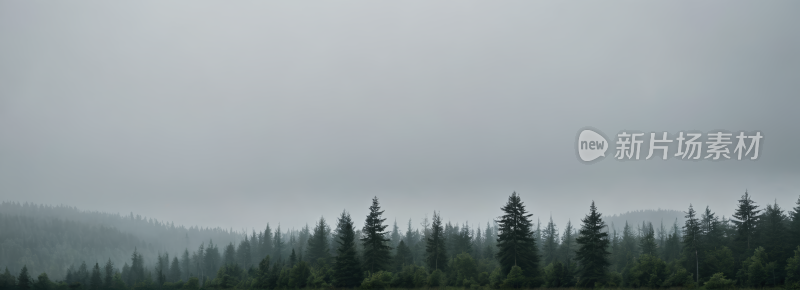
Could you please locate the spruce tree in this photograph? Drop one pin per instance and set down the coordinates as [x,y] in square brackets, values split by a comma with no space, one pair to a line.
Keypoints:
[592,254]
[267,244]
[24,281]
[746,217]
[292,259]
[567,247]
[794,224]
[174,270]
[9,282]
[771,231]
[550,238]
[96,282]
[516,244]
[347,269]
[243,253]
[109,274]
[396,236]
[185,265]
[403,256]
[377,252]
[278,245]
[435,247]
[318,246]
[648,241]
[230,255]
[691,241]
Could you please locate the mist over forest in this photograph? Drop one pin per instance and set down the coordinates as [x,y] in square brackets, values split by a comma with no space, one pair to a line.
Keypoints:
[79,249]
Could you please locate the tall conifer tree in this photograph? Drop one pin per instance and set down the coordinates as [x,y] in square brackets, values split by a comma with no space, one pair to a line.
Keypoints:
[377,252]
[347,269]
[592,252]
[515,241]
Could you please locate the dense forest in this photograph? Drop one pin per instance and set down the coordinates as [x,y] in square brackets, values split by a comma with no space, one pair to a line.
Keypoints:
[756,247]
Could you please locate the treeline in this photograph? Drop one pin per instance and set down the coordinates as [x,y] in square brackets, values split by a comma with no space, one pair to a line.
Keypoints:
[51,238]
[757,247]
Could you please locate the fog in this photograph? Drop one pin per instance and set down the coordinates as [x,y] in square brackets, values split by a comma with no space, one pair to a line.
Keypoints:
[239,114]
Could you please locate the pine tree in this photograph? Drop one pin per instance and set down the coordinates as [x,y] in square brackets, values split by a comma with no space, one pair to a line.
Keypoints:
[592,252]
[292,259]
[567,247]
[377,253]
[550,238]
[175,270]
[243,253]
[794,224]
[396,236]
[230,255]
[746,218]
[516,244]
[278,244]
[318,243]
[267,244]
[185,266]
[672,246]
[435,247]
[628,245]
[347,269]
[96,282]
[9,282]
[691,241]
[137,268]
[771,231]
[403,256]
[648,241]
[109,274]
[24,281]
[213,259]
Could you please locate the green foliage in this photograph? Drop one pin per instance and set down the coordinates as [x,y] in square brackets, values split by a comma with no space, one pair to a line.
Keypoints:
[718,281]
[298,277]
[496,278]
[410,276]
[43,283]
[378,280]
[648,271]
[679,278]
[793,269]
[192,284]
[321,276]
[558,275]
[718,260]
[593,249]
[757,271]
[436,278]
[515,278]
[464,267]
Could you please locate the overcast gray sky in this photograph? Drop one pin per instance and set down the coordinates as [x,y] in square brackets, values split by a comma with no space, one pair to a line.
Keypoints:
[236,114]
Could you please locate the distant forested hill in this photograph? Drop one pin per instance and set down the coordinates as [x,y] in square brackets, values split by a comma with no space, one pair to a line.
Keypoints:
[635,218]
[51,238]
